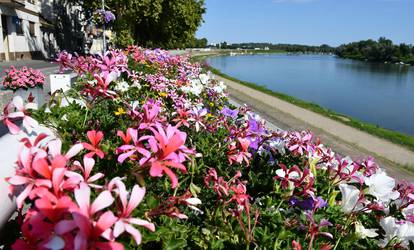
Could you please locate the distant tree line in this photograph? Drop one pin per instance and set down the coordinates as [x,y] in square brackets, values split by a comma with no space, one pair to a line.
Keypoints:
[382,50]
[198,43]
[295,48]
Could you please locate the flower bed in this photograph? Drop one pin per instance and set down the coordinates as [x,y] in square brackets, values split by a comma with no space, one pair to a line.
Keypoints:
[151,154]
[24,78]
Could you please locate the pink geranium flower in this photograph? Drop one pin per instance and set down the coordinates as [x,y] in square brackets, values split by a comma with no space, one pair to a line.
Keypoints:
[64,60]
[239,152]
[89,231]
[130,150]
[166,146]
[86,169]
[36,169]
[125,220]
[95,137]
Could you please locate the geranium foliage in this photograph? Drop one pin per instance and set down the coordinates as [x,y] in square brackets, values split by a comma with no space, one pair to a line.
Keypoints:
[148,153]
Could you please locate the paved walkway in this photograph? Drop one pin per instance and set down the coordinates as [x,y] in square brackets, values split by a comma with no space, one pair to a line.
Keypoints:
[36,64]
[343,139]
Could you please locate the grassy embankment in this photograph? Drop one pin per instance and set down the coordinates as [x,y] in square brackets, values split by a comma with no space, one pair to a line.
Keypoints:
[393,136]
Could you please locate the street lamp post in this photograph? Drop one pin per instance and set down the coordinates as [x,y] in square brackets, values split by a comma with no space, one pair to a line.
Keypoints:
[104,37]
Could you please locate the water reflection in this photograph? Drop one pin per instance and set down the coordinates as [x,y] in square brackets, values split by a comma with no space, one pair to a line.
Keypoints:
[373,67]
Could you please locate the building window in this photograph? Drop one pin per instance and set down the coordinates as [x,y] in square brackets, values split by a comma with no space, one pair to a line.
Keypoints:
[19,25]
[32,29]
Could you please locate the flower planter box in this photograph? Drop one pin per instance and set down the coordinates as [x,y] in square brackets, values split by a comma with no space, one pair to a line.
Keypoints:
[38,93]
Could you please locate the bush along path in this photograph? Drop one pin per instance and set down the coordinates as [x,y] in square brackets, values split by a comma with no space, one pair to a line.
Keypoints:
[149,154]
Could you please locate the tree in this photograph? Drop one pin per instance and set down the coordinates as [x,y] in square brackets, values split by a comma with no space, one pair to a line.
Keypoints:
[154,23]
[198,43]
[382,50]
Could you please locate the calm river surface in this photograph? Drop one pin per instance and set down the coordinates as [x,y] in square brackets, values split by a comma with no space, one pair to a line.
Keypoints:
[380,94]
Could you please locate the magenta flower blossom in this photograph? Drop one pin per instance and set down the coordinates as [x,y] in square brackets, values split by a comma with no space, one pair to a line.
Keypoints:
[238,151]
[86,169]
[89,231]
[35,170]
[125,220]
[64,60]
[150,114]
[166,146]
[95,137]
[128,150]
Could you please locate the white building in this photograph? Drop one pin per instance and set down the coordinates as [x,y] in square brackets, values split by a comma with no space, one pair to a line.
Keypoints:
[34,29]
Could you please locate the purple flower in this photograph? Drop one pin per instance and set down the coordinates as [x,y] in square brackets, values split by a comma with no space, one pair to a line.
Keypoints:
[256,130]
[109,16]
[308,203]
[320,203]
[305,204]
[229,112]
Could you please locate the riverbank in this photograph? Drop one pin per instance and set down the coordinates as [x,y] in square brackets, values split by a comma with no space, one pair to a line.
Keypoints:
[399,138]
[343,139]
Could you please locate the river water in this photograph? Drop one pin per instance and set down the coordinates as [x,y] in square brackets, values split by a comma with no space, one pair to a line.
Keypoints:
[377,93]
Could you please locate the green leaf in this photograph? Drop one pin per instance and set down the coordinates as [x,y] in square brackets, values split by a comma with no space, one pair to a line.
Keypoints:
[175,244]
[194,189]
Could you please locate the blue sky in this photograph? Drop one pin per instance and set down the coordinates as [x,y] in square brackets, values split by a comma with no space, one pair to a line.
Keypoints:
[312,22]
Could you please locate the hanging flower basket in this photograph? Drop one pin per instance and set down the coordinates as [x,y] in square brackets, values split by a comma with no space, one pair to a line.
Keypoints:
[103,17]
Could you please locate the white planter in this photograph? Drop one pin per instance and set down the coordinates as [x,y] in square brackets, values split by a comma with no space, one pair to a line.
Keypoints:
[10,145]
[60,82]
[38,93]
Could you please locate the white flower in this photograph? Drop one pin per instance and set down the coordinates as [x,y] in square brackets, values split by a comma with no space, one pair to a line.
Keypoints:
[64,118]
[204,78]
[279,145]
[93,82]
[381,186]
[390,228]
[220,87]
[122,86]
[195,88]
[282,174]
[364,232]
[350,197]
[403,232]
[192,203]
[136,84]
[408,211]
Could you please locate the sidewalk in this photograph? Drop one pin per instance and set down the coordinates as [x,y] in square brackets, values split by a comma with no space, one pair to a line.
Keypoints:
[36,64]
